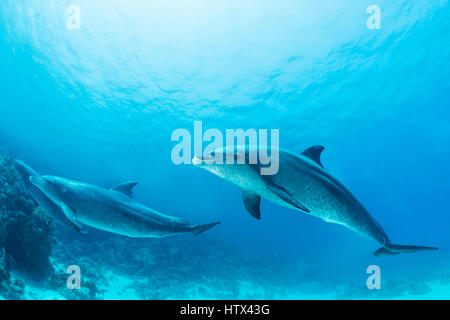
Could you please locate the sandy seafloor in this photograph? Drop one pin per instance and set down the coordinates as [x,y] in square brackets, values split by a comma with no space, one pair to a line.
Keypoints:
[138,274]
[120,287]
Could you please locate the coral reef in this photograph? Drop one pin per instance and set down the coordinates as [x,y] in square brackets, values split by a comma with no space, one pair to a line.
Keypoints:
[10,288]
[181,267]
[25,233]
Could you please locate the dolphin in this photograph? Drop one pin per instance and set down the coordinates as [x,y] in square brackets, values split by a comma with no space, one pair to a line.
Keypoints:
[25,172]
[301,183]
[112,210]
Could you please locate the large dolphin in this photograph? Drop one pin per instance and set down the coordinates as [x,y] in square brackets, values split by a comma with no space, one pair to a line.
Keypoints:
[301,183]
[112,210]
[25,172]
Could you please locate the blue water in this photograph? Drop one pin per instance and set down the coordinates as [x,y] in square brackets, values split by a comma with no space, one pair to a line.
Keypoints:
[99,104]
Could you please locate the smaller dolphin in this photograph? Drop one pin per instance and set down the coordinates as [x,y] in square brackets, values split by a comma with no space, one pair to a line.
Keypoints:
[112,210]
[25,172]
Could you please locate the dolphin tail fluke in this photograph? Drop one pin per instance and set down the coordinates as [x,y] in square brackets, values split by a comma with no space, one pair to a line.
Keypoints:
[392,249]
[196,230]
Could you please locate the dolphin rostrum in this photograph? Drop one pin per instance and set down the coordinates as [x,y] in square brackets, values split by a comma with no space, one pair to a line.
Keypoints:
[112,210]
[25,172]
[301,183]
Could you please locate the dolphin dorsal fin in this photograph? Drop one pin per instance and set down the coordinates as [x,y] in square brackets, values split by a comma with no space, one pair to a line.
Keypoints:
[314,153]
[126,188]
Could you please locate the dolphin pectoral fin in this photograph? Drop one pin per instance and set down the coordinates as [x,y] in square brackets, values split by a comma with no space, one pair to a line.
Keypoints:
[72,226]
[314,153]
[82,231]
[71,216]
[78,229]
[284,195]
[252,203]
[126,188]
